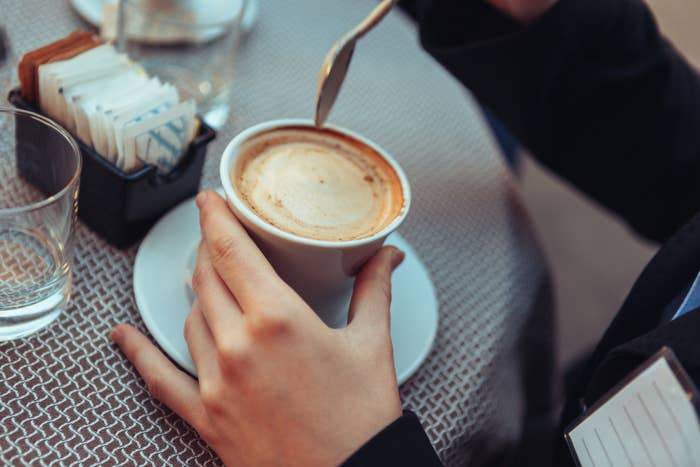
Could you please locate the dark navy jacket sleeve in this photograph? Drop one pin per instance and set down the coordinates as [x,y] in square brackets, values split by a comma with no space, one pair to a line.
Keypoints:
[593,90]
[402,443]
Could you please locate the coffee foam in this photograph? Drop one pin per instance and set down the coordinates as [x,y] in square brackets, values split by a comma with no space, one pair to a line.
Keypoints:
[317,184]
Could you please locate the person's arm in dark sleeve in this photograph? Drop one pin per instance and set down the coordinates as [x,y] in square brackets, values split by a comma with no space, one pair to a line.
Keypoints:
[593,90]
[402,443]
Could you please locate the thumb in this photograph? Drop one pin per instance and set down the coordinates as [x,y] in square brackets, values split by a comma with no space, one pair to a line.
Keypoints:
[369,308]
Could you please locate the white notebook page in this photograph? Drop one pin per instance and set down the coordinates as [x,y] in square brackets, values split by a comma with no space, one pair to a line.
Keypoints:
[649,422]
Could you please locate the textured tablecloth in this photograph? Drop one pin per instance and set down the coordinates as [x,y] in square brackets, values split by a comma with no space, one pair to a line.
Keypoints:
[68,396]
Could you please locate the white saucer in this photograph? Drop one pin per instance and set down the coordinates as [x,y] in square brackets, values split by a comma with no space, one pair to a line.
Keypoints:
[91,11]
[163,296]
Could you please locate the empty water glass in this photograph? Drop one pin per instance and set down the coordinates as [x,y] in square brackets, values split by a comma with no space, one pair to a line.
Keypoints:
[40,172]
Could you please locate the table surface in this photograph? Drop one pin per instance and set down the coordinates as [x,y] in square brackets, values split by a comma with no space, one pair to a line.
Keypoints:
[67,395]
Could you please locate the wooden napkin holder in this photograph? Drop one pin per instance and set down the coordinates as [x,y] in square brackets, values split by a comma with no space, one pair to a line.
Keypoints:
[120,206]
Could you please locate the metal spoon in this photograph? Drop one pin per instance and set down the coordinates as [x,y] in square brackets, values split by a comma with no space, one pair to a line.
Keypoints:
[335,65]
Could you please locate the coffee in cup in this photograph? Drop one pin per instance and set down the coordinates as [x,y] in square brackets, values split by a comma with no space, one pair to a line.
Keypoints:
[317,183]
[318,203]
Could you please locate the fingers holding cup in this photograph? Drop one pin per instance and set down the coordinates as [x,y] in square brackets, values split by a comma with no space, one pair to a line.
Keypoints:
[234,256]
[216,302]
[371,299]
[201,343]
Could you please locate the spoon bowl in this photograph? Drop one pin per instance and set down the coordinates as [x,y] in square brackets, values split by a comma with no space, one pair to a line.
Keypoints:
[335,65]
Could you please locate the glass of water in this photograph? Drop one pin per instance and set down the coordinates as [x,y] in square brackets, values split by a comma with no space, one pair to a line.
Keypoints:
[39,175]
[191,44]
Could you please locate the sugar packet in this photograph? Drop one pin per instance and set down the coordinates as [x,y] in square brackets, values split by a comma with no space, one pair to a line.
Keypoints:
[110,103]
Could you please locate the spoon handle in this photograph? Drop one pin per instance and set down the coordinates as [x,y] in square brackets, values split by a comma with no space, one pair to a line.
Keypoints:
[335,65]
[374,17]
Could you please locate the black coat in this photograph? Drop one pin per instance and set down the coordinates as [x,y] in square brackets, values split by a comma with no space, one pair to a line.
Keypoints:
[603,100]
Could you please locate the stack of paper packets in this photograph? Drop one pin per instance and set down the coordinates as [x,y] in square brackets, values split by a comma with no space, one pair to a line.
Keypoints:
[111,104]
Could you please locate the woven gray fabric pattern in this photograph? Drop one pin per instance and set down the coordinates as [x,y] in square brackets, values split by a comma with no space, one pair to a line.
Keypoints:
[68,396]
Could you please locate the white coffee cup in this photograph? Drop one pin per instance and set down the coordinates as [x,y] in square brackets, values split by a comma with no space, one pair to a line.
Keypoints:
[320,271]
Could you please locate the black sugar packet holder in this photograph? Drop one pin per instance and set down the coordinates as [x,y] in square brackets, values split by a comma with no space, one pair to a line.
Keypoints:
[121,206]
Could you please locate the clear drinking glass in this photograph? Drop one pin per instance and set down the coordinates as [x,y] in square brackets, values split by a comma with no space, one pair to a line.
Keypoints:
[191,44]
[36,220]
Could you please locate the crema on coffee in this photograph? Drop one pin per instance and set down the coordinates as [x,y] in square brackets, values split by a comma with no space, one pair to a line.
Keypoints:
[317,184]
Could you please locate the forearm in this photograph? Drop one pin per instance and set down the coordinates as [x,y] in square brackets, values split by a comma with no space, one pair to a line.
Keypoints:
[593,90]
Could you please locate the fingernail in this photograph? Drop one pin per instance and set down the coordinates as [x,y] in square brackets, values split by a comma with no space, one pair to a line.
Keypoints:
[397,257]
[201,199]
[116,335]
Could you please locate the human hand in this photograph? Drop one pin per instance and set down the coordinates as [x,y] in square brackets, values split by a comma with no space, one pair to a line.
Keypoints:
[276,385]
[524,11]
